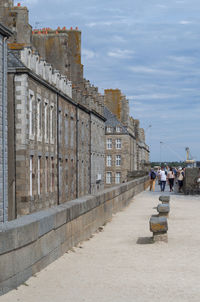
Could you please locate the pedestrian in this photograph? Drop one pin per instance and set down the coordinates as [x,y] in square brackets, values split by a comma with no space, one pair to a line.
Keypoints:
[152,179]
[180,177]
[163,179]
[170,177]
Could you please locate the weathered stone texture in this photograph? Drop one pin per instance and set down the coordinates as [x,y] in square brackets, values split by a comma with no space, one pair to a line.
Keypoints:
[97,154]
[4,34]
[30,243]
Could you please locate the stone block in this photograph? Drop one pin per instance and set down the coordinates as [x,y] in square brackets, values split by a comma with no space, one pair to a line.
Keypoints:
[18,233]
[164,198]
[163,209]
[158,224]
[46,219]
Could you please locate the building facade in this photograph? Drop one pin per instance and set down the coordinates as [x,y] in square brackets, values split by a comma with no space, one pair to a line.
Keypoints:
[120,151]
[5,33]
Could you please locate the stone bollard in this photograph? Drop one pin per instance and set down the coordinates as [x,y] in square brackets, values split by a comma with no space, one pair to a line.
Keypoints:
[163,209]
[159,228]
[164,199]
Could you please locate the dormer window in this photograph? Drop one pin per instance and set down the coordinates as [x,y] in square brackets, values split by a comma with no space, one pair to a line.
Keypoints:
[118,129]
[109,129]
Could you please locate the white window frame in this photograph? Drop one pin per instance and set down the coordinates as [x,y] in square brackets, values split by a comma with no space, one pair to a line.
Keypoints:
[109,143]
[39,118]
[39,174]
[51,123]
[108,178]
[118,177]
[31,176]
[31,114]
[118,129]
[118,159]
[46,174]
[46,137]
[109,160]
[109,129]
[118,143]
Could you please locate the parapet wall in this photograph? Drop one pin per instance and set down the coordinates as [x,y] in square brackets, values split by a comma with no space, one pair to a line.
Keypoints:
[45,71]
[30,243]
[191,183]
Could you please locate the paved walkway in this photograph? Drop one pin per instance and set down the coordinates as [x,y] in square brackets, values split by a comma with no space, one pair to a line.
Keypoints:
[119,265]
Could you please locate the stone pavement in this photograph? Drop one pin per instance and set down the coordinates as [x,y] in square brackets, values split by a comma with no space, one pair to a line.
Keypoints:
[120,264]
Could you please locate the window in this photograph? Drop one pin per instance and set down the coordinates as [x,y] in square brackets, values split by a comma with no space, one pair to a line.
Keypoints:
[31,119]
[118,129]
[109,143]
[118,143]
[108,177]
[60,177]
[46,175]
[46,122]
[39,175]
[66,130]
[72,132]
[118,178]
[109,129]
[51,124]
[109,161]
[60,126]
[31,176]
[52,174]
[39,119]
[118,160]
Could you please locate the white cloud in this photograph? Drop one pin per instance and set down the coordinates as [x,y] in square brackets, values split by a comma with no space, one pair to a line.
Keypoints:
[117,38]
[185,22]
[121,53]
[88,54]
[154,96]
[182,59]
[161,6]
[147,70]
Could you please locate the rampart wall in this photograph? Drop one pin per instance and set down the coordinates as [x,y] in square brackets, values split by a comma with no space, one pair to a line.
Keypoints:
[30,243]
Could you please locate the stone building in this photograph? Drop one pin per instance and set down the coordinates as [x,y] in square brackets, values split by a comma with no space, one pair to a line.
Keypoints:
[53,140]
[120,153]
[5,33]
[117,103]
[62,48]
[56,119]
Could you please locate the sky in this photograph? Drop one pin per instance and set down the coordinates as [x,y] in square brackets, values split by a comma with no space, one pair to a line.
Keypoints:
[150,49]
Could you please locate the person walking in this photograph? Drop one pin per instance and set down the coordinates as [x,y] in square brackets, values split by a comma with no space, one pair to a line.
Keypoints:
[170,177]
[163,179]
[180,177]
[152,179]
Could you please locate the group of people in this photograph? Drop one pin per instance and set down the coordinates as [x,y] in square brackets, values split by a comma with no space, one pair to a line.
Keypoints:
[167,174]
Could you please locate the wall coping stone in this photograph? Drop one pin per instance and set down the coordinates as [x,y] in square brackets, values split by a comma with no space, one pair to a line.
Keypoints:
[26,229]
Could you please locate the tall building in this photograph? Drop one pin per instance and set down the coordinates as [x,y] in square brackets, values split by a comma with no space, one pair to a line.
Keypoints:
[5,33]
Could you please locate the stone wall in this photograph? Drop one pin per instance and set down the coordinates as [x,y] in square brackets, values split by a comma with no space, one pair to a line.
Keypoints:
[30,243]
[97,154]
[191,186]
[3,127]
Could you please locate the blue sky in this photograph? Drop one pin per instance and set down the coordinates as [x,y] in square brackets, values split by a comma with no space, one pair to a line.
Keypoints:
[150,49]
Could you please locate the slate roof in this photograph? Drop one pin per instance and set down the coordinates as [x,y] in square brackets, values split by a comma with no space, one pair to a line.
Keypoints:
[112,121]
[5,31]
[14,61]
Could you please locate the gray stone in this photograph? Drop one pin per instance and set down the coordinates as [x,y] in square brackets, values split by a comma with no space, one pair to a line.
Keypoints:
[164,198]
[158,224]
[163,208]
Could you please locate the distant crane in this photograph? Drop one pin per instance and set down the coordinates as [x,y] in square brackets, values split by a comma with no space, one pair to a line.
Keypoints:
[189,160]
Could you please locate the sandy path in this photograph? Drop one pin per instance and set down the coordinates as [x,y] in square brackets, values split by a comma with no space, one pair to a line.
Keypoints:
[113,266]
